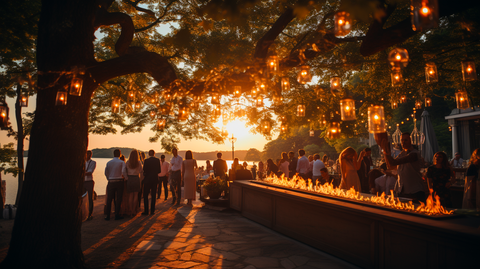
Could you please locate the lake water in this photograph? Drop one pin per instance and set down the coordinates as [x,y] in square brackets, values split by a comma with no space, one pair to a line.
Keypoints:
[98,177]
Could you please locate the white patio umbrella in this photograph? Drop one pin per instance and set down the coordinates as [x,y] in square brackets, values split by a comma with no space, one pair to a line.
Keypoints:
[430,147]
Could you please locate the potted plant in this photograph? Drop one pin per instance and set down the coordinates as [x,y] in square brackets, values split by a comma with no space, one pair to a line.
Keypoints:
[214,187]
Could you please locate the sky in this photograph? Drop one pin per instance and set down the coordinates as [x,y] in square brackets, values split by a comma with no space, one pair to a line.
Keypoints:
[245,139]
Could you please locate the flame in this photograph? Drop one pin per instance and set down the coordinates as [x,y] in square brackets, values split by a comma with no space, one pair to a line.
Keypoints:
[425,11]
[432,207]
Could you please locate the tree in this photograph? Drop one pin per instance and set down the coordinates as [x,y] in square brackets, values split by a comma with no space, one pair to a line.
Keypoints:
[221,44]
[253,155]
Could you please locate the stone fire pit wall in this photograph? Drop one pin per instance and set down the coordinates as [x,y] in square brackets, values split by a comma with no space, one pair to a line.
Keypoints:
[365,236]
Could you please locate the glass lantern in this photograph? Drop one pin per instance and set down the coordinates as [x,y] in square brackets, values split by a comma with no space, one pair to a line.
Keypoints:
[398,58]
[283,128]
[334,130]
[116,105]
[23,100]
[262,86]
[285,84]
[335,83]
[61,99]
[376,120]
[424,14]
[237,91]
[301,111]
[312,133]
[152,114]
[3,115]
[259,101]
[394,105]
[217,112]
[183,113]
[76,86]
[431,74]
[323,120]
[130,96]
[277,99]
[266,127]
[418,104]
[468,70]
[253,92]
[161,124]
[403,99]
[397,78]
[347,109]
[462,99]
[343,23]
[273,64]
[417,137]
[215,98]
[397,135]
[138,105]
[304,76]
[428,102]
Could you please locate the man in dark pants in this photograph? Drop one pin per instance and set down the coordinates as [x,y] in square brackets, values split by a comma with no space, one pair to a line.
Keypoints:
[90,166]
[151,169]
[367,163]
[114,173]
[292,166]
[220,166]
[163,178]
[176,176]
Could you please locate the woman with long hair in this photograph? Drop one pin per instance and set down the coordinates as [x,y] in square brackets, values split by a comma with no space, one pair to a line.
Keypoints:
[271,167]
[133,170]
[471,199]
[188,176]
[350,164]
[440,178]
[325,160]
[283,165]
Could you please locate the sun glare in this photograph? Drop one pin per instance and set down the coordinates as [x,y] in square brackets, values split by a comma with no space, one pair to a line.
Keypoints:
[235,127]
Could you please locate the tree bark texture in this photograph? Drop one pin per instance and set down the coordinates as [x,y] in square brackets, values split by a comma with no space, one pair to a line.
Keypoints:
[20,140]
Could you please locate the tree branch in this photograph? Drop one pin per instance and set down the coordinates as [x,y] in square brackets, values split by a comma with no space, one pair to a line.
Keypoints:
[135,5]
[158,20]
[104,18]
[142,62]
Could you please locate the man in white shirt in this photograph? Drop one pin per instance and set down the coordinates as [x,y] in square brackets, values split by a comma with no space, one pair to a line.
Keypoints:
[88,184]
[457,161]
[163,177]
[114,173]
[302,164]
[317,166]
[176,176]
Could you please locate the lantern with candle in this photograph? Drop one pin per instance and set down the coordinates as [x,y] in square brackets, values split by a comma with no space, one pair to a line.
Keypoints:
[304,76]
[273,64]
[397,77]
[376,120]
[215,98]
[398,58]
[61,99]
[301,111]
[3,115]
[23,100]
[237,91]
[403,99]
[418,104]
[161,124]
[428,101]
[431,74]
[266,127]
[285,84]
[334,130]
[424,14]
[116,105]
[183,113]
[468,70]
[461,97]
[347,108]
[343,23]
[396,136]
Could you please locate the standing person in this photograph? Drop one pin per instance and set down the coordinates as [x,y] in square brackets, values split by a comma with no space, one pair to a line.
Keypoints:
[457,161]
[325,160]
[349,166]
[133,169]
[90,166]
[220,167]
[188,177]
[151,169]
[142,160]
[366,164]
[440,178]
[163,178]
[471,194]
[408,163]
[114,173]
[283,164]
[271,167]
[261,170]
[318,165]
[254,171]
[209,166]
[176,176]
[310,166]
[292,166]
[303,164]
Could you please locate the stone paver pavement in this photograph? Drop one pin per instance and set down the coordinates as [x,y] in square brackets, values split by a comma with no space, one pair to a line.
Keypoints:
[215,239]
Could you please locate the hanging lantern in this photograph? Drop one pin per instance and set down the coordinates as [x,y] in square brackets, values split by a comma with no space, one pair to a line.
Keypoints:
[217,112]
[165,109]
[237,91]
[23,100]
[285,84]
[254,92]
[312,133]
[462,99]
[323,120]
[262,86]
[183,113]
[398,58]
[277,100]
[418,104]
[138,105]
[334,130]
[153,114]
[273,64]
[431,74]
[397,78]
[403,99]
[394,105]
[417,137]
[428,102]
[215,98]
[376,120]
[61,99]
[343,23]
[161,124]
[116,105]
[259,101]
[347,109]
[335,83]
[76,86]
[130,97]
[266,127]
[397,135]
[301,111]
[304,76]
[424,14]
[3,115]
[468,70]
[283,128]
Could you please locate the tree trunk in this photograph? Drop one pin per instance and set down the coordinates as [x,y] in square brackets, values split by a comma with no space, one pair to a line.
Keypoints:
[46,233]
[18,117]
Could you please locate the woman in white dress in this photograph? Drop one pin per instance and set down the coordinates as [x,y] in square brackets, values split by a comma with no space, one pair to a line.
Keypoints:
[189,181]
[349,166]
[283,164]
